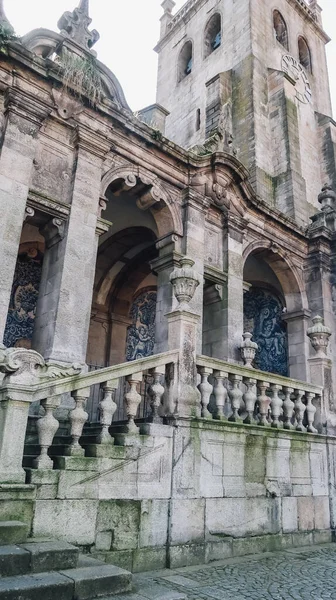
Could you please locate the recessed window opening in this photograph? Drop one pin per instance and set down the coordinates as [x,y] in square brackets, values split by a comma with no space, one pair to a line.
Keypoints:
[280,28]
[304,54]
[198,119]
[185,61]
[213,34]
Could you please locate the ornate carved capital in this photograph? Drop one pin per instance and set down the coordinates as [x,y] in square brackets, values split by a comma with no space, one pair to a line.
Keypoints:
[53,232]
[25,107]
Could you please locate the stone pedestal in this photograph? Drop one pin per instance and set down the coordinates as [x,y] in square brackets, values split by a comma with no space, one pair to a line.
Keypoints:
[320,370]
[64,305]
[182,333]
[24,119]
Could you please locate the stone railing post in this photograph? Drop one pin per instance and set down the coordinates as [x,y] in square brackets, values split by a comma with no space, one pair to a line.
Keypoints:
[21,369]
[182,336]
[320,367]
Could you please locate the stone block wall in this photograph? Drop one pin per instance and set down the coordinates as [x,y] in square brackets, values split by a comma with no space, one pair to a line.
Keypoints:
[196,493]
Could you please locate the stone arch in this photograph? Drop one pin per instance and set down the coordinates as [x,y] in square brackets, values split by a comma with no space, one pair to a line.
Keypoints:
[185,60]
[152,196]
[280,29]
[212,34]
[304,54]
[285,283]
[287,273]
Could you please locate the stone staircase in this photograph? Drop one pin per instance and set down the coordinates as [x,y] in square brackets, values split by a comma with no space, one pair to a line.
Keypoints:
[32,569]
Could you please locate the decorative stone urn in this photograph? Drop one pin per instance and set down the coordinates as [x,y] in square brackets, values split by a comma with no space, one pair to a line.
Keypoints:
[327,198]
[319,336]
[248,349]
[185,280]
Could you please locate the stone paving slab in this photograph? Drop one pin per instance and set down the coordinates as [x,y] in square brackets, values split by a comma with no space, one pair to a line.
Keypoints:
[307,573]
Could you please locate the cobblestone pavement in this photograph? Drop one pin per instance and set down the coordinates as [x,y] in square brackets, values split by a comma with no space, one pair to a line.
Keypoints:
[297,574]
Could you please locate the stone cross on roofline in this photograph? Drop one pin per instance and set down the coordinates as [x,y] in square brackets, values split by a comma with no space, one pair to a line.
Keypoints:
[3,19]
[75,26]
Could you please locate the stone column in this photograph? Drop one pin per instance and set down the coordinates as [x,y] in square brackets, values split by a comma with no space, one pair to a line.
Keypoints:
[24,117]
[193,245]
[169,256]
[230,318]
[64,305]
[182,336]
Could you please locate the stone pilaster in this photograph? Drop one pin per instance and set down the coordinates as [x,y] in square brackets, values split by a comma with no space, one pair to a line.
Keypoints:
[24,117]
[298,343]
[169,249]
[193,246]
[64,306]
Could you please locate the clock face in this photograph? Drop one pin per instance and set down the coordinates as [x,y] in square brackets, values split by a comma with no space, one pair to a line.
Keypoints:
[296,71]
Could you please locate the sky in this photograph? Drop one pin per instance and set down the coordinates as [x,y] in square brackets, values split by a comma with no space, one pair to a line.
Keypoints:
[129,30]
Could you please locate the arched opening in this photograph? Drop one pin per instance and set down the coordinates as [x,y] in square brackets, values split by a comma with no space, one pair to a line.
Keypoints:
[304,54]
[25,289]
[212,34]
[275,311]
[264,306]
[280,29]
[185,61]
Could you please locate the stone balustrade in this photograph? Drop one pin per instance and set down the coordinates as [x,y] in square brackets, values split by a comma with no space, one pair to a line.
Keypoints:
[246,395]
[28,379]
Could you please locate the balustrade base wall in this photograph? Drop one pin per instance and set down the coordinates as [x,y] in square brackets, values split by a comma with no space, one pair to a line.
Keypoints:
[187,494]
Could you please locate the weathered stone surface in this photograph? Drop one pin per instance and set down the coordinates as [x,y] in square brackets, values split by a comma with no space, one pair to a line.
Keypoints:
[241,517]
[13,532]
[71,520]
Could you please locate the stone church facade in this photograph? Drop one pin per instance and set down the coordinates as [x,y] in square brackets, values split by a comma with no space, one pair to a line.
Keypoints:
[167,300]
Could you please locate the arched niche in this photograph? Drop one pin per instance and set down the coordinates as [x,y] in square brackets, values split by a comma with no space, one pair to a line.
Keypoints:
[304,54]
[280,29]
[185,61]
[275,310]
[212,34]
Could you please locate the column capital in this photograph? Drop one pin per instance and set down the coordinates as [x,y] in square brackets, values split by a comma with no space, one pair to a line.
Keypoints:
[168,261]
[53,231]
[91,141]
[27,107]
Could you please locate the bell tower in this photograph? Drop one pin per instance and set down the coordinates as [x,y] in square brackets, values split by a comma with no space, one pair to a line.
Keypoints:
[253,72]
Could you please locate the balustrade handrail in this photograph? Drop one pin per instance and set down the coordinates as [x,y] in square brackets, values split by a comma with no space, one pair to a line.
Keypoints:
[47,386]
[235,369]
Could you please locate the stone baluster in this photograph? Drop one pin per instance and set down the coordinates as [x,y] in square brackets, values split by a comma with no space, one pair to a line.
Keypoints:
[311,411]
[206,390]
[156,392]
[47,427]
[78,417]
[236,396]
[288,408]
[276,405]
[220,393]
[250,398]
[299,410]
[132,402]
[263,402]
[107,408]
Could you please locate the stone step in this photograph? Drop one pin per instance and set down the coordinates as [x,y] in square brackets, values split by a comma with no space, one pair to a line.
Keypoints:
[95,582]
[42,586]
[51,556]
[13,532]
[37,557]
[87,583]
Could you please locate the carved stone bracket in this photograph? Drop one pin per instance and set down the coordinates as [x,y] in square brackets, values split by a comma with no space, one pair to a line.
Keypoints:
[20,365]
[53,232]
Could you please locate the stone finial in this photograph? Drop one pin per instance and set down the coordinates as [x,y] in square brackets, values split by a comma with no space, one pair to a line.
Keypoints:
[327,197]
[3,19]
[168,6]
[248,349]
[185,280]
[319,336]
[75,26]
